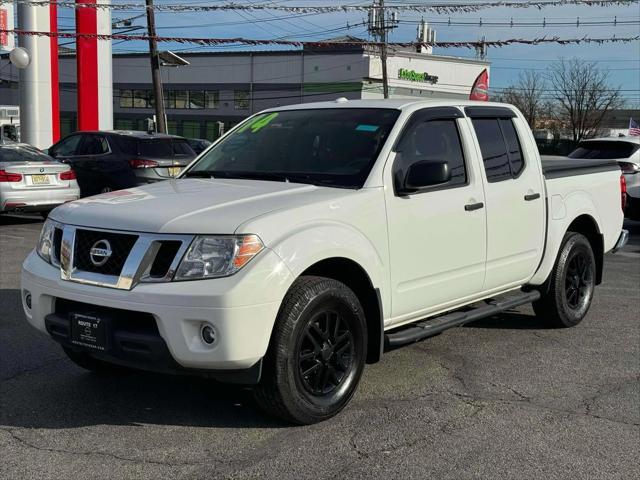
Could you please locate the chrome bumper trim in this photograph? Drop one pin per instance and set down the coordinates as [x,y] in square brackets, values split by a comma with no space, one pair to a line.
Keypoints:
[136,268]
[622,240]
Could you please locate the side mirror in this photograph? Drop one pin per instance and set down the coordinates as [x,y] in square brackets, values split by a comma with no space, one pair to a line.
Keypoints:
[425,173]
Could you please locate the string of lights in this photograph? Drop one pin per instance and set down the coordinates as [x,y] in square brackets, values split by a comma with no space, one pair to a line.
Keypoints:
[327,43]
[434,7]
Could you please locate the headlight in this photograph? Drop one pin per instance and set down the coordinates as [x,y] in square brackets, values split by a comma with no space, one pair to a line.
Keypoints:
[212,256]
[45,243]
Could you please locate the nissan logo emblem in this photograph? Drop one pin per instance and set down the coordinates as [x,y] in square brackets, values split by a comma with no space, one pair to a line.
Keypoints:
[100,252]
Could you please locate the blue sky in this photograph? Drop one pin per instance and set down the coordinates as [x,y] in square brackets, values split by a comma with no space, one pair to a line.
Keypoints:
[622,60]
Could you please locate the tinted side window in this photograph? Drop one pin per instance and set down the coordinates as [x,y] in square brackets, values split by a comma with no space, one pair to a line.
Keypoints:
[513,146]
[493,148]
[94,145]
[182,147]
[160,148]
[68,146]
[434,140]
[128,145]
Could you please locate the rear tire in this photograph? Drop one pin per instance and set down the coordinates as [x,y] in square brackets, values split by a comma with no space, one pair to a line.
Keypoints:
[317,352]
[83,360]
[572,283]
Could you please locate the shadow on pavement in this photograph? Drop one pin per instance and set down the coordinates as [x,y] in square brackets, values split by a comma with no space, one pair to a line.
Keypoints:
[41,388]
[20,219]
[510,321]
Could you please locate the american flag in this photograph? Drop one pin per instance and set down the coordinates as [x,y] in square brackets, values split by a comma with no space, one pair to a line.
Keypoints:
[634,128]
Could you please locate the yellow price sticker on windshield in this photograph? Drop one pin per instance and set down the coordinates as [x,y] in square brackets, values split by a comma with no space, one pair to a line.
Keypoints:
[259,122]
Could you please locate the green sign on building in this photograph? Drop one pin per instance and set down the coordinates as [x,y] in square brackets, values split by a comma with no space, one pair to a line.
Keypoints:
[413,76]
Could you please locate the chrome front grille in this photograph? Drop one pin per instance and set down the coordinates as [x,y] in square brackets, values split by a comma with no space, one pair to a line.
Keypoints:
[122,259]
[120,245]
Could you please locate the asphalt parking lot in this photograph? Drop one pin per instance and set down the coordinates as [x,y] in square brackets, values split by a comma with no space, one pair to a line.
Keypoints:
[501,398]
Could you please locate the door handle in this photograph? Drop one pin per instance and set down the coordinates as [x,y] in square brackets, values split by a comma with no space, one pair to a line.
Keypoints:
[531,196]
[473,206]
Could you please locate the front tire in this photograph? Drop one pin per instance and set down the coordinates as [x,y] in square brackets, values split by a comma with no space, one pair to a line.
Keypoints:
[317,352]
[572,284]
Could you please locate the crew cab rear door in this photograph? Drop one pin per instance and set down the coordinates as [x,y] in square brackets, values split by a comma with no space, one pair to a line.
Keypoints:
[437,235]
[515,196]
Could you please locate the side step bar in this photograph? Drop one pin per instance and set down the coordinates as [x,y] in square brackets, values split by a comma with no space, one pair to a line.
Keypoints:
[434,326]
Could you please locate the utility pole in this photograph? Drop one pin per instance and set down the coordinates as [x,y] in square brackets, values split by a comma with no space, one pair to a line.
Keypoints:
[161,119]
[378,25]
[383,52]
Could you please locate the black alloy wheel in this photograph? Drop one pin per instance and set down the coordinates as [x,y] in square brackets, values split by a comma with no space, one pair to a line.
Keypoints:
[325,353]
[579,280]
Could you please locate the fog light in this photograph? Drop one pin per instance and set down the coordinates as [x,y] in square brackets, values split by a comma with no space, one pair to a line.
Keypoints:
[208,334]
[27,300]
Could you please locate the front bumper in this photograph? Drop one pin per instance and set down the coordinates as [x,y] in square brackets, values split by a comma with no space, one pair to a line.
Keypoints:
[241,308]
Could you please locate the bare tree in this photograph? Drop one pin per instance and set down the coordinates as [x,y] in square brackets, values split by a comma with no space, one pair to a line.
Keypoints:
[583,96]
[527,95]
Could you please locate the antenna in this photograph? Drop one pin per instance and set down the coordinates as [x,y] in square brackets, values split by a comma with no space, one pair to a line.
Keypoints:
[427,37]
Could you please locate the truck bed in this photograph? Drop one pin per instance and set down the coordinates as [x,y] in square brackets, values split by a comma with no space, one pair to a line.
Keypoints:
[555,167]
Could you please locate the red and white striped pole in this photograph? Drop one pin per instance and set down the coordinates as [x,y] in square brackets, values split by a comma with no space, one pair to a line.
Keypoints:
[39,91]
[94,74]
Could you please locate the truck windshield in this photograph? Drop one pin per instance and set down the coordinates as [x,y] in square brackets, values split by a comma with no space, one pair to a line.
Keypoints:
[333,147]
[604,150]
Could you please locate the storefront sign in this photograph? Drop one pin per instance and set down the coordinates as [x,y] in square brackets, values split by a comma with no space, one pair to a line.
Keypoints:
[413,76]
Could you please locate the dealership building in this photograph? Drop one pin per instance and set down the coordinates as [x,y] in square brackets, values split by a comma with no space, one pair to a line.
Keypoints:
[221,88]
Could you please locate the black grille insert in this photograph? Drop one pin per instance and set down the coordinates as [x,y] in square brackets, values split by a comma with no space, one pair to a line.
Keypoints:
[164,258]
[57,243]
[121,245]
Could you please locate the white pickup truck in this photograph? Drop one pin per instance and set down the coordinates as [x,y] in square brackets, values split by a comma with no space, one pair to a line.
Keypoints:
[312,237]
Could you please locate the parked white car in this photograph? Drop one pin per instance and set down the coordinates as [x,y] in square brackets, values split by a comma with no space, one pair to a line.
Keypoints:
[310,236]
[626,151]
[31,181]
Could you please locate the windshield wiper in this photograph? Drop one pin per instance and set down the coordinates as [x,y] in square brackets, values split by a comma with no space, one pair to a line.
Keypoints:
[293,177]
[198,174]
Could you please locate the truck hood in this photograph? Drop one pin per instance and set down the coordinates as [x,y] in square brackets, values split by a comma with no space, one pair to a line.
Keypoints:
[193,206]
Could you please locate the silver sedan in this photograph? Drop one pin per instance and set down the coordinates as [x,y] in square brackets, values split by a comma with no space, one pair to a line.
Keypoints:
[31,181]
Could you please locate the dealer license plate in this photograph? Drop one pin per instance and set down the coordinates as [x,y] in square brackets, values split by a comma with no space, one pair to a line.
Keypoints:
[174,171]
[89,330]
[40,179]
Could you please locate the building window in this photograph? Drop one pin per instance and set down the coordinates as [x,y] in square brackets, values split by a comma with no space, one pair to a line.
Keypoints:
[172,127]
[212,97]
[126,99]
[123,124]
[182,99]
[141,99]
[213,130]
[169,99]
[196,99]
[191,129]
[241,99]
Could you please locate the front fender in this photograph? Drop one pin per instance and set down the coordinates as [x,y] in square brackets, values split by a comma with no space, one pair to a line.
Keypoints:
[351,225]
